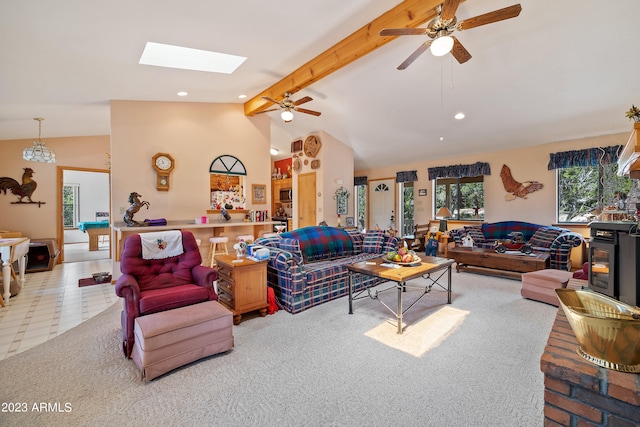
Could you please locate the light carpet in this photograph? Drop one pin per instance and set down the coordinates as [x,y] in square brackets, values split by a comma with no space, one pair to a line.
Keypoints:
[475,362]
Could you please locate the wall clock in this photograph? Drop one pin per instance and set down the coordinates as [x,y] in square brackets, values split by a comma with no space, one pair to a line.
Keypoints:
[163,163]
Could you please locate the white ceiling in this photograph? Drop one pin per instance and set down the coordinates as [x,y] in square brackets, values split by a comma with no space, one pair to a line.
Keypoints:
[561,70]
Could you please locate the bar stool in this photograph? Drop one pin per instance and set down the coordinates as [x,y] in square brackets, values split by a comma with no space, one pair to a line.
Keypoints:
[217,246]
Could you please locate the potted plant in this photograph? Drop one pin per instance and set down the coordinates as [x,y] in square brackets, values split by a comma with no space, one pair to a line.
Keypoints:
[633,113]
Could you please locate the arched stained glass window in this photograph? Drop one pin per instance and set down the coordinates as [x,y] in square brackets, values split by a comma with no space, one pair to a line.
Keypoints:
[227,165]
[226,181]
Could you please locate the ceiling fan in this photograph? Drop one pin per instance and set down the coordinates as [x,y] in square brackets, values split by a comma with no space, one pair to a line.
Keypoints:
[440,28]
[288,106]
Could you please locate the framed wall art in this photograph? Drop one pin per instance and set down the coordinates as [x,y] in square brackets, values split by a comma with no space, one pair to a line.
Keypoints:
[258,194]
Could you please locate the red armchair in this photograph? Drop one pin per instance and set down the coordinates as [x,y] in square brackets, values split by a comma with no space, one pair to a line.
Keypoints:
[153,285]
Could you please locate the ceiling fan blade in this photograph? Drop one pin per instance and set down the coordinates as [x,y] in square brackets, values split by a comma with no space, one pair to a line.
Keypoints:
[271,100]
[488,18]
[419,51]
[403,32]
[449,8]
[458,51]
[304,110]
[266,111]
[303,100]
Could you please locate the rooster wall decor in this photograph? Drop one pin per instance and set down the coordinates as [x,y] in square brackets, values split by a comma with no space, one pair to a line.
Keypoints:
[23,190]
[515,188]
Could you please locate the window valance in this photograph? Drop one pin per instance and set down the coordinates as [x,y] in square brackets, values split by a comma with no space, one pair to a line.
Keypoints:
[359,180]
[459,171]
[587,157]
[407,176]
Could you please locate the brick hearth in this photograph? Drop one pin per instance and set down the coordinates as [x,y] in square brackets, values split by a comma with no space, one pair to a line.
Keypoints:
[579,393]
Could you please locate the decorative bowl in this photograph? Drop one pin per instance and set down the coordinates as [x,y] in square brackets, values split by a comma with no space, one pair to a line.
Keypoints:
[102,277]
[416,260]
[607,330]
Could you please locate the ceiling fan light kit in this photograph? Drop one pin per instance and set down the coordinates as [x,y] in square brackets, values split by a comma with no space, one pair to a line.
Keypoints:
[286,115]
[441,46]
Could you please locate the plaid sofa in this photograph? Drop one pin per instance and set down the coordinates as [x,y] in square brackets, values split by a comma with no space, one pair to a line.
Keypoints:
[555,241]
[307,266]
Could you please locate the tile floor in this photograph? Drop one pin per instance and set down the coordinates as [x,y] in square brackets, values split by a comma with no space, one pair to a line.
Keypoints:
[51,303]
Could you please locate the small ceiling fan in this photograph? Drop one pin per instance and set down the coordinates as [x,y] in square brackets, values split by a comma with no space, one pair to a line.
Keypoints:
[288,106]
[440,28]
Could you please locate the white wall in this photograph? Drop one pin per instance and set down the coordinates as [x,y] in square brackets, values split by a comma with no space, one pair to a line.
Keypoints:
[529,163]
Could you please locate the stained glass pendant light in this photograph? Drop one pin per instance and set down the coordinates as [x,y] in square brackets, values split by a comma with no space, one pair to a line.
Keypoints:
[38,152]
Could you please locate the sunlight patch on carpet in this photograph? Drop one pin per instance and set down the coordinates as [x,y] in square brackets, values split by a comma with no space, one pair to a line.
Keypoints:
[422,336]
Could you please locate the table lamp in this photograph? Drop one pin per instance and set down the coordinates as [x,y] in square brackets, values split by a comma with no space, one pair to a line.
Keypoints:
[443,212]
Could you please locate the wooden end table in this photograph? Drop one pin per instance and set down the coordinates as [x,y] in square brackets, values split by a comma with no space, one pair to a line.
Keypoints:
[242,285]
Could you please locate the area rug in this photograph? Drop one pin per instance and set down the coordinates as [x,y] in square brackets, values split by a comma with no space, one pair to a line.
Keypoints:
[90,281]
[473,362]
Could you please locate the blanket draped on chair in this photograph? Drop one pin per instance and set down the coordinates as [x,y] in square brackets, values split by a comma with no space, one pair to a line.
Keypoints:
[161,244]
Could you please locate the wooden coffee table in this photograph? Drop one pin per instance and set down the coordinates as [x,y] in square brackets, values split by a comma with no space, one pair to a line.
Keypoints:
[489,258]
[438,267]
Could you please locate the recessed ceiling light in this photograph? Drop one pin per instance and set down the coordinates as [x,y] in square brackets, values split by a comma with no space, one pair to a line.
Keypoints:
[164,55]
[183,93]
[442,138]
[459,116]
[243,96]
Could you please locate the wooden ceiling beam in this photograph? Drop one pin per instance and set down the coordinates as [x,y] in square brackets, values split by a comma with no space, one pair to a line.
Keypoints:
[408,14]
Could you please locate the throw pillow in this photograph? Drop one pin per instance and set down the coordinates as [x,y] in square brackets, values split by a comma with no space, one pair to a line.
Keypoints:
[544,237]
[358,240]
[373,240]
[293,246]
[475,231]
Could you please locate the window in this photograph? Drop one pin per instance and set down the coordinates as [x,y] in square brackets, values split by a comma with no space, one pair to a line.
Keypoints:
[463,196]
[406,208]
[226,183]
[361,206]
[70,203]
[583,191]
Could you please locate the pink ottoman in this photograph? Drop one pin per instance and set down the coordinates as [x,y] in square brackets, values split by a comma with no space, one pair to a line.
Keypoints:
[173,338]
[540,285]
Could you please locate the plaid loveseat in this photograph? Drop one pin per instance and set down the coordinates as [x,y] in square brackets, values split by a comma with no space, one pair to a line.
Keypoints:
[555,241]
[307,266]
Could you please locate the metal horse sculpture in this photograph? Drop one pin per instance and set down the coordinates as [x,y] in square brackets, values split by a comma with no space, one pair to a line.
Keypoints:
[136,204]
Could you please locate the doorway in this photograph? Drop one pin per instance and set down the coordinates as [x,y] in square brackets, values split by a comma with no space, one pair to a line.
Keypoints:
[381,202]
[84,196]
[306,199]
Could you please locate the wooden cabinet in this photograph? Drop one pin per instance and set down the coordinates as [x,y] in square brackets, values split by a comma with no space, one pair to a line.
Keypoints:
[242,285]
[276,186]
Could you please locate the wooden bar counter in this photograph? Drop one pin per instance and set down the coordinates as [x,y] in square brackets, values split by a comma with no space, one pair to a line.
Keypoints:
[200,231]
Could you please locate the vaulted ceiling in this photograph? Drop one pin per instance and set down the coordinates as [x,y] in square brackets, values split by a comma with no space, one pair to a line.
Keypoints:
[561,70]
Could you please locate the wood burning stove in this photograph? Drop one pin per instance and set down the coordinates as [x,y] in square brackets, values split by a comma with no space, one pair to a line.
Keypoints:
[614,257]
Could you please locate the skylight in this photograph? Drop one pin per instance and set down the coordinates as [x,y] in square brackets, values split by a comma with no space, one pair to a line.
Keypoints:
[164,55]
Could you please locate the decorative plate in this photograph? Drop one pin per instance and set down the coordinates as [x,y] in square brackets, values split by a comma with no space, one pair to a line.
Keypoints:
[297,165]
[315,164]
[311,146]
[306,161]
